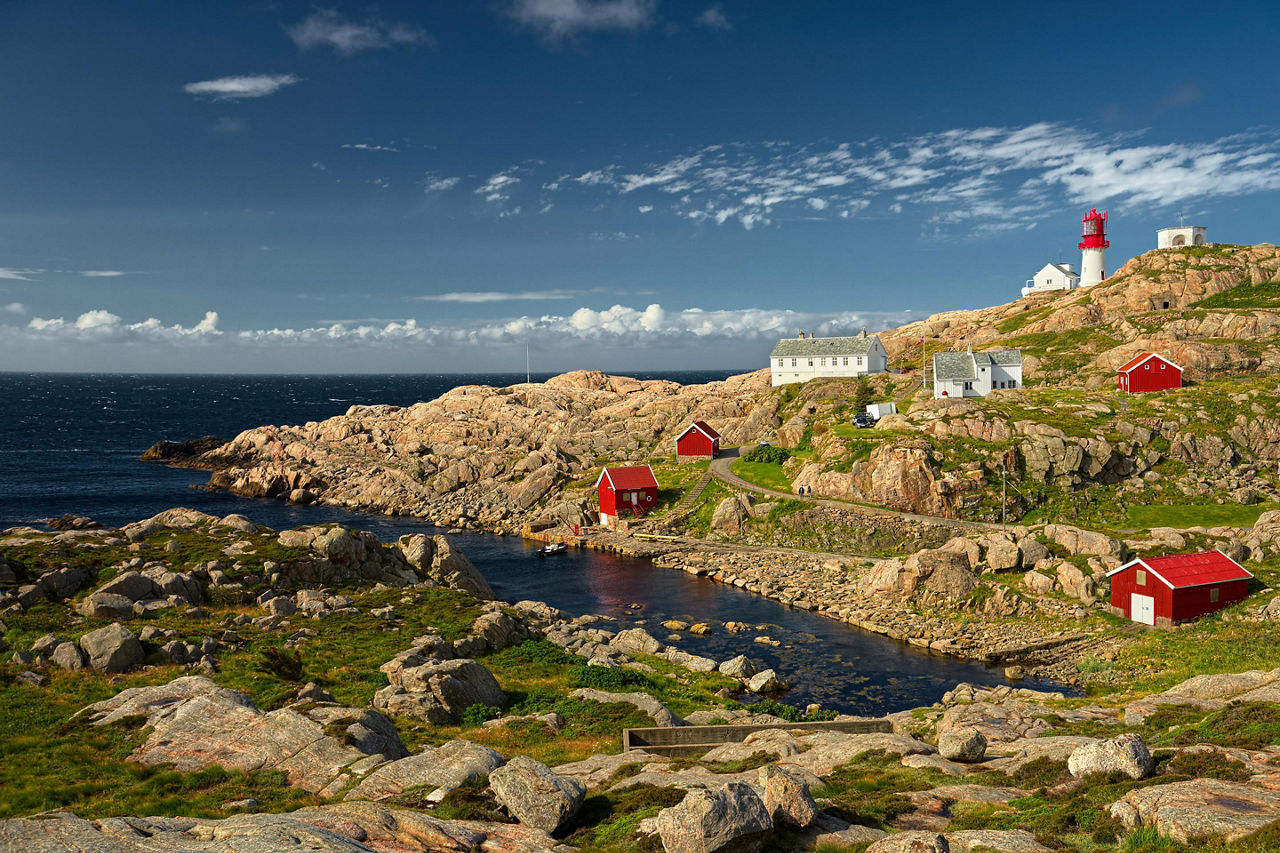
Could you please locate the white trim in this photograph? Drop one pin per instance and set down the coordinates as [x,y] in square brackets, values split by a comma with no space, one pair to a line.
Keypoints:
[1150,356]
[693,426]
[605,471]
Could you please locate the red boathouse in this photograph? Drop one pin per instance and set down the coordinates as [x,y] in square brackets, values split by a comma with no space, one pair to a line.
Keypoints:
[1148,371]
[1162,591]
[697,442]
[626,490]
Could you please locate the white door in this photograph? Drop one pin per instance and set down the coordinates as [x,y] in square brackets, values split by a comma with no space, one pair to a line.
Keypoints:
[1142,608]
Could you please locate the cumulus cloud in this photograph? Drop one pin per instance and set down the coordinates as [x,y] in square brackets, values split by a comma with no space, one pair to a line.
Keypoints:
[435,183]
[243,86]
[618,326]
[558,19]
[498,187]
[969,179]
[714,18]
[102,325]
[327,28]
[475,296]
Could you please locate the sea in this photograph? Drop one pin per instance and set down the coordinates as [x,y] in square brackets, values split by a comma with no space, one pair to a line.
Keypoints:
[69,443]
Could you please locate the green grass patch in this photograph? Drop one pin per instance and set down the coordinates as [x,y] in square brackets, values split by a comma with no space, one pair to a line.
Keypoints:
[766,474]
[1194,515]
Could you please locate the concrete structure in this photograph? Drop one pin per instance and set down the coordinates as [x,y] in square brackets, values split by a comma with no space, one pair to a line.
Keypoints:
[1163,591]
[629,489]
[1052,277]
[1183,235]
[1148,371]
[803,358]
[975,374]
[697,442]
[1093,246]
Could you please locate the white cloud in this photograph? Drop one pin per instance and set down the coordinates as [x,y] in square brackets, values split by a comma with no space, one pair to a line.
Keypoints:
[498,187]
[714,18]
[16,308]
[100,324]
[557,19]
[101,273]
[365,146]
[17,275]
[327,28]
[244,86]
[435,183]
[472,296]
[974,180]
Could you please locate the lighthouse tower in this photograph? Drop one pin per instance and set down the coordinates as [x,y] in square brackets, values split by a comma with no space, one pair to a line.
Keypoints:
[1093,244]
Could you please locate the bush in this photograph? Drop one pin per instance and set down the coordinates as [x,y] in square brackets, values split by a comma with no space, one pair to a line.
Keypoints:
[791,713]
[476,715]
[283,664]
[605,678]
[767,453]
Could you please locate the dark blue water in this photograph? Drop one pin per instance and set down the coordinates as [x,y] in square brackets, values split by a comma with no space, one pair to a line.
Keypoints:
[70,444]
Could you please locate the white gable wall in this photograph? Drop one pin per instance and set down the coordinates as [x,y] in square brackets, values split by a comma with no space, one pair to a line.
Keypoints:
[785,370]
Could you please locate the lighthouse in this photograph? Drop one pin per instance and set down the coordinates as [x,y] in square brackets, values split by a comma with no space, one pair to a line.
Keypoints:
[1093,245]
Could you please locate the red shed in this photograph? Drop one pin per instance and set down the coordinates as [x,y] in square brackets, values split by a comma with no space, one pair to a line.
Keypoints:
[1165,590]
[699,441]
[626,489]
[1148,371]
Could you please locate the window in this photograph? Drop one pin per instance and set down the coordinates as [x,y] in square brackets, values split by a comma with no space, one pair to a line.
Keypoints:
[859,361]
[1140,578]
[1213,594]
[793,362]
[968,386]
[1146,367]
[811,362]
[822,362]
[846,361]
[1162,367]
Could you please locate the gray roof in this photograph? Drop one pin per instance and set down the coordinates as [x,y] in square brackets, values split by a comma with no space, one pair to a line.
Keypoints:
[856,345]
[963,365]
[1065,270]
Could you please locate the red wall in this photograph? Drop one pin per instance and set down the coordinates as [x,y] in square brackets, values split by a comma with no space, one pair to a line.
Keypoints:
[1122,584]
[610,503]
[1175,604]
[1194,601]
[1155,379]
[694,443]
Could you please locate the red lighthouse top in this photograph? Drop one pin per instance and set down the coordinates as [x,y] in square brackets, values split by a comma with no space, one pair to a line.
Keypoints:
[1093,231]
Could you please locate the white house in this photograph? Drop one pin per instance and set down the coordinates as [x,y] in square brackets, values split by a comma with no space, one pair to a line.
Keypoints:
[803,358]
[1052,277]
[1183,235]
[975,374]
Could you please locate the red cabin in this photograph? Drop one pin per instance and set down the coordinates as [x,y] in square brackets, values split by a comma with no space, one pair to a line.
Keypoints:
[626,490]
[1162,591]
[697,442]
[1148,371]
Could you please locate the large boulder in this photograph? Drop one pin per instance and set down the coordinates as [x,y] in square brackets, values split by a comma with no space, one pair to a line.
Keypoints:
[915,841]
[731,513]
[730,818]
[1126,754]
[194,723]
[445,768]
[787,797]
[112,649]
[635,641]
[536,796]
[739,667]
[438,691]
[434,557]
[1200,808]
[658,712]
[106,605]
[964,743]
[132,585]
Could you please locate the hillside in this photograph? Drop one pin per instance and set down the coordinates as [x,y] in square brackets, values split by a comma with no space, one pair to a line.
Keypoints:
[1212,309]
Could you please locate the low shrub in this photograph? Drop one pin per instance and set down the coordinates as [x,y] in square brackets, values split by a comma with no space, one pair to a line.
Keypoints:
[767,453]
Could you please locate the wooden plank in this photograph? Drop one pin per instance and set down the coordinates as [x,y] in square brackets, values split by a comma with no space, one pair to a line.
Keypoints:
[697,738]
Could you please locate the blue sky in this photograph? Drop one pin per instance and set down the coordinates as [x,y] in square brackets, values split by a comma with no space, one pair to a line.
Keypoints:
[619,184]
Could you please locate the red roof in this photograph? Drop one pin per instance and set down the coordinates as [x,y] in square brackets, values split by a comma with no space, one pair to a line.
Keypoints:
[1133,363]
[702,427]
[630,477]
[1183,570]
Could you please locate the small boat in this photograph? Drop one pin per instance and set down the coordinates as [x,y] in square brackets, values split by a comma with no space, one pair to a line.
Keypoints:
[552,548]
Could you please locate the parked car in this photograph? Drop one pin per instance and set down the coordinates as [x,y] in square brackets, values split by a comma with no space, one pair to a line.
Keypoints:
[862,420]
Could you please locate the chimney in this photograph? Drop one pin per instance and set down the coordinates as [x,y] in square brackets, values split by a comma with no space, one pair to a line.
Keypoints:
[802,334]
[864,333]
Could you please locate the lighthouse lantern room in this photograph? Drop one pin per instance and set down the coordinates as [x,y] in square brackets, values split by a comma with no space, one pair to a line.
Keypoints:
[1093,245]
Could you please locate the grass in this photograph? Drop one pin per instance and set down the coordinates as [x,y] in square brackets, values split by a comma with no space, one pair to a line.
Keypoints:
[1193,515]
[1263,295]
[764,474]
